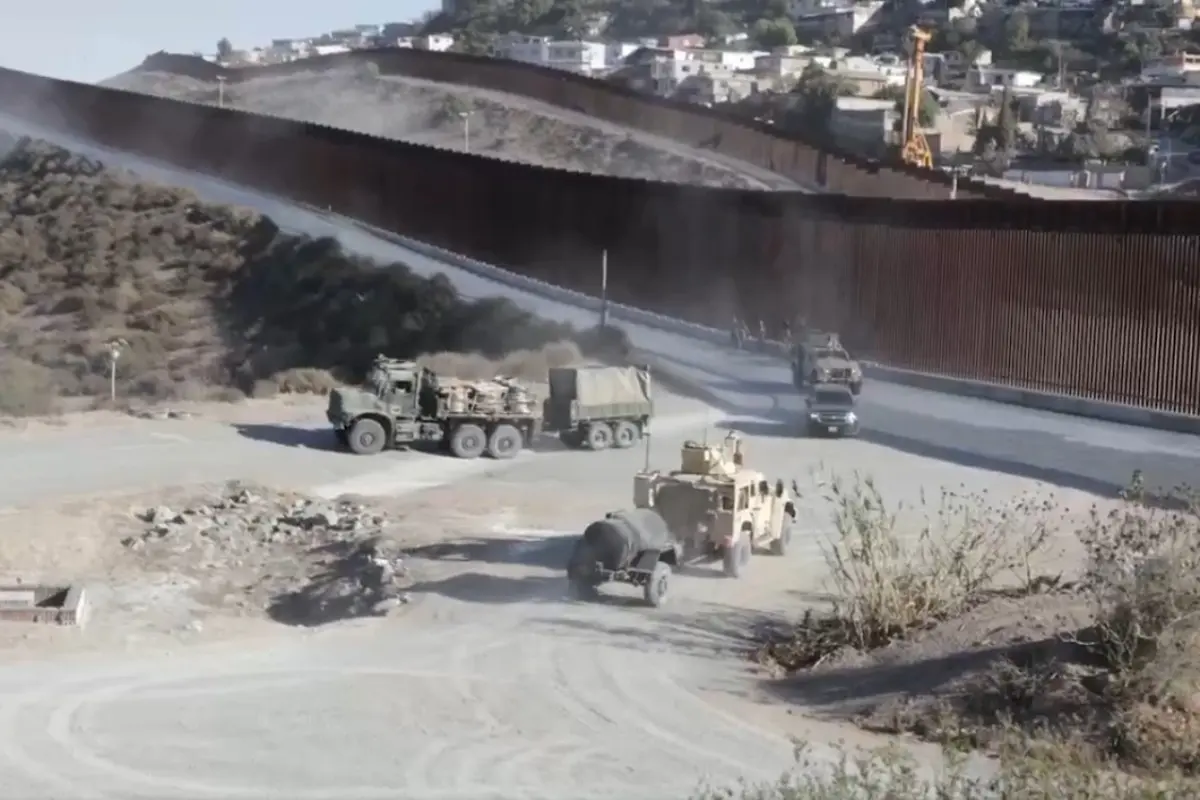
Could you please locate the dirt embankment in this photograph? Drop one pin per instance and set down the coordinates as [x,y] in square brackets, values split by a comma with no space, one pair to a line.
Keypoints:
[499,125]
[204,299]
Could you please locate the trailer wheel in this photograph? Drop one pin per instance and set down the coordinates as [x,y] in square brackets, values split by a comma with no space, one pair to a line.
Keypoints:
[505,442]
[658,585]
[625,434]
[599,436]
[367,437]
[572,439]
[736,558]
[468,441]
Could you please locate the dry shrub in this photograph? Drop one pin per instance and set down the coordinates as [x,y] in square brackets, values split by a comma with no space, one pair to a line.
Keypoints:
[889,575]
[1023,771]
[531,365]
[304,381]
[213,296]
[26,389]
[1143,579]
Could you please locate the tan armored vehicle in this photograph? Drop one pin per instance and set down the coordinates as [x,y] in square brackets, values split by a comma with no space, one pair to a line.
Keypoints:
[820,358]
[403,403]
[718,508]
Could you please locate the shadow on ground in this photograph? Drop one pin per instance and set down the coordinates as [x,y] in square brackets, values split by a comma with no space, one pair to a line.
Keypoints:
[550,551]
[854,691]
[291,436]
[702,630]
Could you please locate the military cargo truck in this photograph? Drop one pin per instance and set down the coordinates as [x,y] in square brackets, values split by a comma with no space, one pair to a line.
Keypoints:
[599,407]
[402,403]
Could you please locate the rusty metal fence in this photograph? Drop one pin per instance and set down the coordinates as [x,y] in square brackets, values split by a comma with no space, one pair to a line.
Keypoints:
[1086,298]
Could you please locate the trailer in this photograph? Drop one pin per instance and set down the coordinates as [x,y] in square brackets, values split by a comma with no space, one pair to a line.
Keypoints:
[598,407]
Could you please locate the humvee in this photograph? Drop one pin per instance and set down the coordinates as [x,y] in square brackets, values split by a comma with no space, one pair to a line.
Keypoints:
[403,403]
[718,508]
[821,358]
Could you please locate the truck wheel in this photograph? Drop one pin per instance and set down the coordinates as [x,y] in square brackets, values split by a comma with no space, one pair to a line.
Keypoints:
[780,546]
[625,434]
[366,437]
[571,439]
[599,436]
[505,442]
[468,441]
[737,557]
[658,585]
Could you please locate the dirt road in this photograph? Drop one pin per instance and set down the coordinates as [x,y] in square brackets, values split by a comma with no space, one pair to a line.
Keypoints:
[488,684]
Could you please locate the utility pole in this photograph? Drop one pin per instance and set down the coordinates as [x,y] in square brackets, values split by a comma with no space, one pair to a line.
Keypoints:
[466,118]
[115,348]
[604,289]
[221,91]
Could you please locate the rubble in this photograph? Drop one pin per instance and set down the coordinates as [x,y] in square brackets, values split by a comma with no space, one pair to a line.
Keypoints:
[319,559]
[243,518]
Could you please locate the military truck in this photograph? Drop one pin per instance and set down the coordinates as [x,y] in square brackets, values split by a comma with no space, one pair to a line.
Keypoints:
[820,358]
[717,507]
[402,403]
[598,407]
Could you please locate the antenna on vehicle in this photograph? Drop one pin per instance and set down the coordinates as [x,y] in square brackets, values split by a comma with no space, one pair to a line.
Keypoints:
[647,438]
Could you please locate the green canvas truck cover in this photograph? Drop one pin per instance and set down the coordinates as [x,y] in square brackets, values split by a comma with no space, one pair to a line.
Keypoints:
[597,391]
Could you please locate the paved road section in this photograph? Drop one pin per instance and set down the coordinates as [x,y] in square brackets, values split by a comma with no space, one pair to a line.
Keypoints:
[301,453]
[1077,453]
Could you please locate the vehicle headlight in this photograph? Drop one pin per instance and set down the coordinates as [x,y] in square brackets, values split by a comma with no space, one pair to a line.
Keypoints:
[851,417]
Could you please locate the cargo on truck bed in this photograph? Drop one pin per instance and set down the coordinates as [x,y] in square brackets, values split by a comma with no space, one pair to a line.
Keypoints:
[599,407]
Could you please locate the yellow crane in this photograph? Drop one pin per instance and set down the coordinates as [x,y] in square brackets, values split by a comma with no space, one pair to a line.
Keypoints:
[914,149]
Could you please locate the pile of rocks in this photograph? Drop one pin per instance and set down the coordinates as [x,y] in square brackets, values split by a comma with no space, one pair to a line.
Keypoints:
[345,566]
[242,517]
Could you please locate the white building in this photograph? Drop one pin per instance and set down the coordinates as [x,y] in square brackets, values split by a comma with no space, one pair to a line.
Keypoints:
[1177,69]
[581,57]
[986,78]
[437,42]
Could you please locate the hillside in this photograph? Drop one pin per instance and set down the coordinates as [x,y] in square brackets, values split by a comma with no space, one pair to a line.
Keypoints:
[206,299]
[428,113]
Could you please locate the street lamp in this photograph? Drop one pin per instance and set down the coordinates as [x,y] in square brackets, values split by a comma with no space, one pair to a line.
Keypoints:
[115,348]
[221,91]
[466,118]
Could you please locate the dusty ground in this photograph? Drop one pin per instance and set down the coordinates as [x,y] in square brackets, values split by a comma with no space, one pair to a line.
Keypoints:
[501,125]
[485,663]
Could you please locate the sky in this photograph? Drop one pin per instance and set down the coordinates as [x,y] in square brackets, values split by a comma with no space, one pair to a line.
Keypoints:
[89,41]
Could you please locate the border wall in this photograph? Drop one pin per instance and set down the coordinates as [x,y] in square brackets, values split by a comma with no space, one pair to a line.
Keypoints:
[1090,298]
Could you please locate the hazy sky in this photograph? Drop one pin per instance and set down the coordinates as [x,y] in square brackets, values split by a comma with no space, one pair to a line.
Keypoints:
[90,41]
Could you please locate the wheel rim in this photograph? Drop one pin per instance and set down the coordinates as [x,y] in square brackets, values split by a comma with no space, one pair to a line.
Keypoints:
[625,435]
[366,439]
[506,444]
[470,442]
